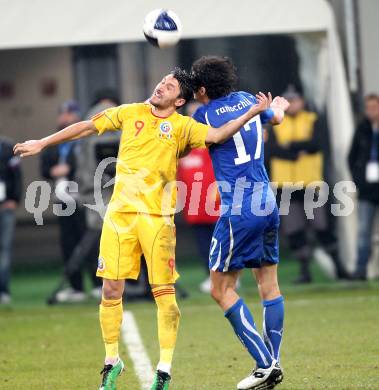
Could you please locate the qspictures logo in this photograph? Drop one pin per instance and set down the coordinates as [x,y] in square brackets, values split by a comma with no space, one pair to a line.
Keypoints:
[134,183]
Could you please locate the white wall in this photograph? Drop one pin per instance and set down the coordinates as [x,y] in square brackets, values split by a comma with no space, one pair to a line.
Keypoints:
[142,66]
[369,32]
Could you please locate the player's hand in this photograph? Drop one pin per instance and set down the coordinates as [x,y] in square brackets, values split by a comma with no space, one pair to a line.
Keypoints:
[263,103]
[28,148]
[280,102]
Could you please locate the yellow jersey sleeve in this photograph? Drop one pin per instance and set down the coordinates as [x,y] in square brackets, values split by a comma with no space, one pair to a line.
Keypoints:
[112,118]
[197,134]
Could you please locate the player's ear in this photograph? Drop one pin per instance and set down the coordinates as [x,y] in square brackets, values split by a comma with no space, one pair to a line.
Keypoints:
[202,91]
[179,102]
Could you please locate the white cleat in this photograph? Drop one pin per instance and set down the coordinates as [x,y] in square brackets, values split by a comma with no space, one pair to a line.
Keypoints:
[96,292]
[205,286]
[262,378]
[69,295]
[5,299]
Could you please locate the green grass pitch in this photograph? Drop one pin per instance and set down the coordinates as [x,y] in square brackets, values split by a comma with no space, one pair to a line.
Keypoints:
[331,338]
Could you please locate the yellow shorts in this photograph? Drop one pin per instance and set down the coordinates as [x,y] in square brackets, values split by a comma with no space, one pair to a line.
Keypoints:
[126,236]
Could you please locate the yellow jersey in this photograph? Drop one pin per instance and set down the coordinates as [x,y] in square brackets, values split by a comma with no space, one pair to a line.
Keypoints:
[308,168]
[149,150]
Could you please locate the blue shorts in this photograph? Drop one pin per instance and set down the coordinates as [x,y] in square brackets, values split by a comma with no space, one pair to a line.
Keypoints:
[240,242]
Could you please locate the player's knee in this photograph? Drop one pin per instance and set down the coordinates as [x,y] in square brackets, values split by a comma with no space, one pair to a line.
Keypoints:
[112,289]
[218,293]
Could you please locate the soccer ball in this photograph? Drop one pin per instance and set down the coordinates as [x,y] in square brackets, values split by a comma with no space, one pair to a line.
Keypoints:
[162,28]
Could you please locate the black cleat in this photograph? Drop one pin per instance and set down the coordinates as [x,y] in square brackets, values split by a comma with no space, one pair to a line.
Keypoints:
[161,381]
[110,373]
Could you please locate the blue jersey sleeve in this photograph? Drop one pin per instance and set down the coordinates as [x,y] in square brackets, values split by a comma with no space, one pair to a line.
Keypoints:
[267,115]
[199,115]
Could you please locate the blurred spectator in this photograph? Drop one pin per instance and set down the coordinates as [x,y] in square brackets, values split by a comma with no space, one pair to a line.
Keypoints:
[364,167]
[10,194]
[196,167]
[105,98]
[88,153]
[58,166]
[88,156]
[296,156]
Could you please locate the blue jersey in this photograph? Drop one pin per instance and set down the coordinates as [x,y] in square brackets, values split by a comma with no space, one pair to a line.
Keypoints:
[239,162]
[246,234]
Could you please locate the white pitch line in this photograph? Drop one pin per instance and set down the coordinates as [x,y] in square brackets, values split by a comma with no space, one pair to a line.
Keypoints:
[137,352]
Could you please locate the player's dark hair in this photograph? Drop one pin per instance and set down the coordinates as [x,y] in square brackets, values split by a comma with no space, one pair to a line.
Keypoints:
[185,84]
[216,74]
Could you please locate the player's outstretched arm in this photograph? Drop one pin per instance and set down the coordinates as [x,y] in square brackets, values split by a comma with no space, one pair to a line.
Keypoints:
[75,131]
[279,105]
[223,133]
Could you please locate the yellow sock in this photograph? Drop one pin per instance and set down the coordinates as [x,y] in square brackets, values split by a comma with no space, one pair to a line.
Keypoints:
[168,323]
[110,320]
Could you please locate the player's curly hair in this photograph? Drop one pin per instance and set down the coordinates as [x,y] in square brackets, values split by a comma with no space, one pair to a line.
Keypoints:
[216,74]
[185,84]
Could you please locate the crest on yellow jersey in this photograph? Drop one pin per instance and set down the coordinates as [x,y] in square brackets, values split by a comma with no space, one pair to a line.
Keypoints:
[101,264]
[165,129]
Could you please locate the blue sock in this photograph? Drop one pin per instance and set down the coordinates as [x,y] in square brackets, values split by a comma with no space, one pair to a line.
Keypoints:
[273,317]
[243,324]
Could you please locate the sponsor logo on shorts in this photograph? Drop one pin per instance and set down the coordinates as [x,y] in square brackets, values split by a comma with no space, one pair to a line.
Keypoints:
[165,129]
[100,264]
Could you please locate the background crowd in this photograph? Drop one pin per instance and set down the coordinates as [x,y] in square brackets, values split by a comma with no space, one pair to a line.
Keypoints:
[295,151]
